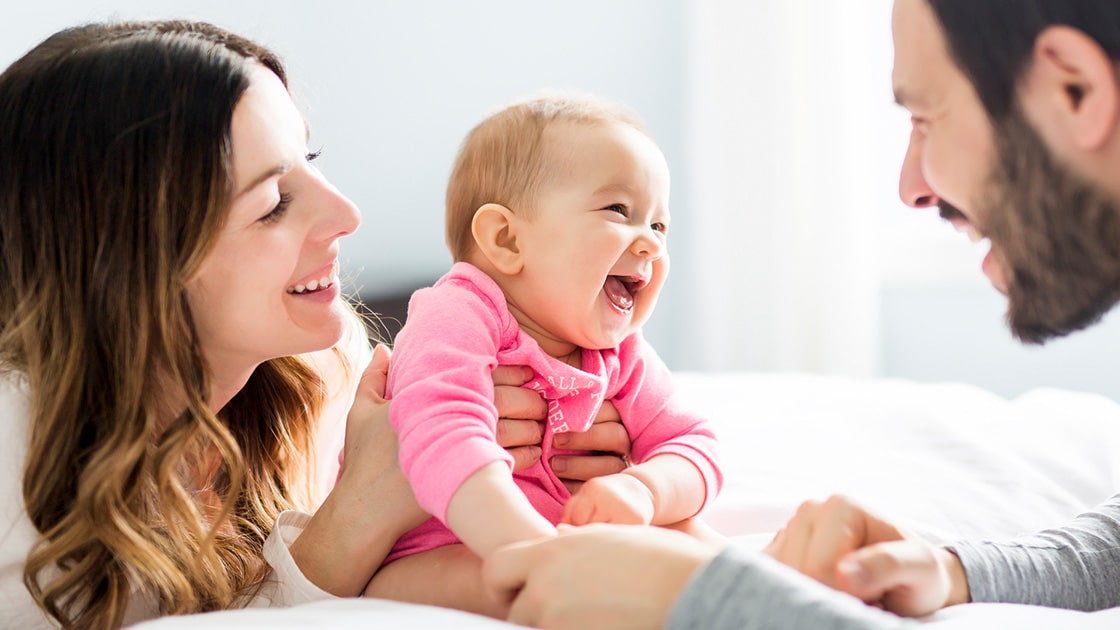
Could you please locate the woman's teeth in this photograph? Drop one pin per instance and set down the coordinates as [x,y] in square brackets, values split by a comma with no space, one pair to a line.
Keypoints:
[314,285]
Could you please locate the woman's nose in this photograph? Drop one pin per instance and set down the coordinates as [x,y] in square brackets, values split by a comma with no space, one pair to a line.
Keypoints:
[340,216]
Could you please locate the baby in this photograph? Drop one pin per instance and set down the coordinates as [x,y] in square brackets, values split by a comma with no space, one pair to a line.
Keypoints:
[557,218]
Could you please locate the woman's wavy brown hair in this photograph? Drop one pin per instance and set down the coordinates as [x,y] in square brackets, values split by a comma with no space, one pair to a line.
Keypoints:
[115,179]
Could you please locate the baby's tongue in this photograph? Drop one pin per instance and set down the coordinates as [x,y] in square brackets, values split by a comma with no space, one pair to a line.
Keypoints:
[618,294]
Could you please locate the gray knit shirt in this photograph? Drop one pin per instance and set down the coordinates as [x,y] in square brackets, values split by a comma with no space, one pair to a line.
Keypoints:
[1076,567]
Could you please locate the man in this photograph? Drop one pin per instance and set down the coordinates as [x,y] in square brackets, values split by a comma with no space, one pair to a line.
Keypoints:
[1016,138]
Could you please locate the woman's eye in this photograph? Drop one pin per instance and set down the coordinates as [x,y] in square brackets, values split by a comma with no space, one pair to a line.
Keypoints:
[279,209]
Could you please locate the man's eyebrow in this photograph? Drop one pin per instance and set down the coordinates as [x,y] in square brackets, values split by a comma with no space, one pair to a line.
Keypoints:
[901,96]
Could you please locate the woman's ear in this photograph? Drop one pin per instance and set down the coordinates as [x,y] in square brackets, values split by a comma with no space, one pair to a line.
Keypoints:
[1078,79]
[495,234]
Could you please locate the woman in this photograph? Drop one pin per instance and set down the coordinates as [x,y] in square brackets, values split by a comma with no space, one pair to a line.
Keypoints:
[175,360]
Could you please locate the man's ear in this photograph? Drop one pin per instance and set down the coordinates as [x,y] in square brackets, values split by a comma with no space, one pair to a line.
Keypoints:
[1078,79]
[495,234]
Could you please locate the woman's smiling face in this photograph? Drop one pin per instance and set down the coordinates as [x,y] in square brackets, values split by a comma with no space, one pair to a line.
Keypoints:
[269,286]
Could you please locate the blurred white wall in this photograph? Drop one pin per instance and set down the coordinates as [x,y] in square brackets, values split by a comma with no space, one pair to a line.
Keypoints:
[391,87]
[790,249]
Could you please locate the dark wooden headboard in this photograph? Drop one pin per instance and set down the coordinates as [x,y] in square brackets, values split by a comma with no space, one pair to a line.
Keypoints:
[390,311]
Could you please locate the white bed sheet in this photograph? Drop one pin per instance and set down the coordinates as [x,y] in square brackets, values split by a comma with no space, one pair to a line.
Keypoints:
[947,460]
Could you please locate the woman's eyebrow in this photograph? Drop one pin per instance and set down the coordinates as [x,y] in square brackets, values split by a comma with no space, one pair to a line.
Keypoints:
[275,171]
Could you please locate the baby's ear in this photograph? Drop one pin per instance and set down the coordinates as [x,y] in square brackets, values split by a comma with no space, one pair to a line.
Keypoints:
[495,234]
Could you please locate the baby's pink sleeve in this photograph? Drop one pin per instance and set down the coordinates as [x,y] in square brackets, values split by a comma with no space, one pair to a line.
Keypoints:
[657,424]
[442,391]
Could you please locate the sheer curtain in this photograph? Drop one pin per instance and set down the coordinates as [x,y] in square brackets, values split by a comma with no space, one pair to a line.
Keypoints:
[789,168]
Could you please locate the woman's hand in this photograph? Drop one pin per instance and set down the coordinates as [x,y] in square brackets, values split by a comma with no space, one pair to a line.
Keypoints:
[842,545]
[607,439]
[596,576]
[521,426]
[521,415]
[371,505]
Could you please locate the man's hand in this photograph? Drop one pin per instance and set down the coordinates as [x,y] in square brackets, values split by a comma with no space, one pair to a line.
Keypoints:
[596,576]
[842,545]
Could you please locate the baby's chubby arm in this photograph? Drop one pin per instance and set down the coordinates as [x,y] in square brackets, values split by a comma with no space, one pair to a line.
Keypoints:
[489,511]
[664,490]
[678,471]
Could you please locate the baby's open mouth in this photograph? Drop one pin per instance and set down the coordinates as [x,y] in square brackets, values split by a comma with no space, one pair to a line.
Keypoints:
[621,291]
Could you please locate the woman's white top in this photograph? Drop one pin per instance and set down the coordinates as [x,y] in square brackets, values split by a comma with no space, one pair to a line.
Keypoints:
[286,585]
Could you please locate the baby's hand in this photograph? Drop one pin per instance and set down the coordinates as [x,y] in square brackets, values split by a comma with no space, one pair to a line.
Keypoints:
[618,498]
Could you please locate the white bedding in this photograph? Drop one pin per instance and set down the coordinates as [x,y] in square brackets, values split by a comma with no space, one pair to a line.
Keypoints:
[947,460]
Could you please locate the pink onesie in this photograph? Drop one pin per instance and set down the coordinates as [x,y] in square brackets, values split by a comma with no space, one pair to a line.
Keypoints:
[443,403]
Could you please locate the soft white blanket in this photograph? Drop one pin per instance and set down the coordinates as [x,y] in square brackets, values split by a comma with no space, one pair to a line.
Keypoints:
[948,461]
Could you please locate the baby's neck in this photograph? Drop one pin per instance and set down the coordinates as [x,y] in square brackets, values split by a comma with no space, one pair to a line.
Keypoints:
[553,346]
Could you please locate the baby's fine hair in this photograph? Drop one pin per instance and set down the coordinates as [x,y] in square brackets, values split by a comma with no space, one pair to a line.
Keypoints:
[503,159]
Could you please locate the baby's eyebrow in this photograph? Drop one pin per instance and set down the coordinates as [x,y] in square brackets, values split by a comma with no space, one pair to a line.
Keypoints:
[614,188]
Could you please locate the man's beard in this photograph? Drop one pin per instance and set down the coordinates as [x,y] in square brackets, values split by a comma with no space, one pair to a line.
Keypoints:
[1056,236]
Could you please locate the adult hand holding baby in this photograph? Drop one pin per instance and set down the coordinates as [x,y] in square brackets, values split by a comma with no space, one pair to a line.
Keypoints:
[520,430]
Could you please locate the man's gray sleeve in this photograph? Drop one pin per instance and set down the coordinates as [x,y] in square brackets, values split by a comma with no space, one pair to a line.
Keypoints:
[1075,567]
[744,590]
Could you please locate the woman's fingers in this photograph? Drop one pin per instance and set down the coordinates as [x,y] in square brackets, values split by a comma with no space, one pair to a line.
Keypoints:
[376,374]
[367,420]
[519,403]
[522,439]
[610,446]
[607,413]
[514,433]
[520,430]
[513,375]
[580,468]
[520,412]
[608,436]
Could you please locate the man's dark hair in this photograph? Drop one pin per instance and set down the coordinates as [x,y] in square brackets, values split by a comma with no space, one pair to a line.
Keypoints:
[992,40]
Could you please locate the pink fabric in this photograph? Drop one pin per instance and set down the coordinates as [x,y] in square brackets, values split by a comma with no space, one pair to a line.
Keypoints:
[443,410]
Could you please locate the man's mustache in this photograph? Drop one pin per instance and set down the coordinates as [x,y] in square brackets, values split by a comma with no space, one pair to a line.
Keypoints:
[949,212]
